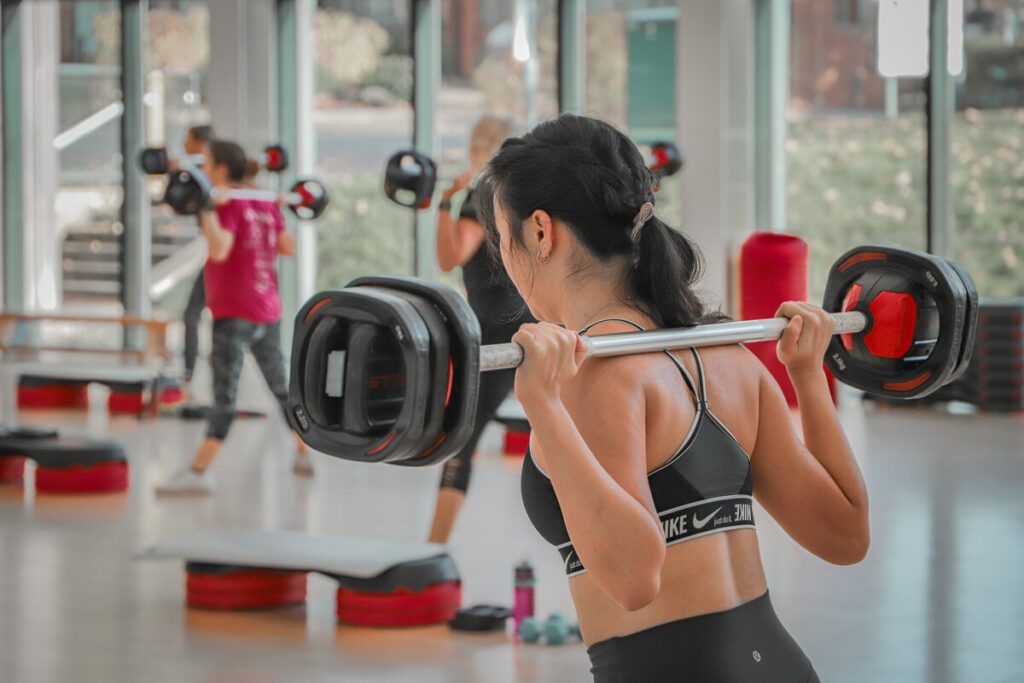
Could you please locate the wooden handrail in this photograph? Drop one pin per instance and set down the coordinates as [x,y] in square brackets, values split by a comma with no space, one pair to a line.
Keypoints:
[156,337]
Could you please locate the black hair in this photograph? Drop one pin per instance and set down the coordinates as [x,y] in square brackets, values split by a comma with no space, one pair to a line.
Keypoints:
[232,154]
[591,176]
[202,133]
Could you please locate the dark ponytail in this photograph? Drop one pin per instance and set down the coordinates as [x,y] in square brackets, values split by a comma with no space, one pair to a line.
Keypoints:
[592,177]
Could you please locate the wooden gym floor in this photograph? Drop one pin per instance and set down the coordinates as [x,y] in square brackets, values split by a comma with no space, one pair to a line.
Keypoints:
[939,598]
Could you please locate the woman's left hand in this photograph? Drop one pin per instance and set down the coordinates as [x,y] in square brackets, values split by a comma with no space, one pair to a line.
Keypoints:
[552,356]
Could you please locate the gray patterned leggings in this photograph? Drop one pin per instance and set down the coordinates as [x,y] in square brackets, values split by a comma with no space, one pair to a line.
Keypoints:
[231,338]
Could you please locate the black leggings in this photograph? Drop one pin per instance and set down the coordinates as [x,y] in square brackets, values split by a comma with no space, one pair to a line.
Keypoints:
[494,389]
[745,643]
[193,314]
[232,337]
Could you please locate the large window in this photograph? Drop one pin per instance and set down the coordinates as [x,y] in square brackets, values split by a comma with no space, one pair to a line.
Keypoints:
[856,146]
[364,75]
[88,145]
[631,78]
[987,165]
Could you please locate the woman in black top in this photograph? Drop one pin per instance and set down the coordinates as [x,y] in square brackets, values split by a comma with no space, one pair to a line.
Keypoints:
[642,467]
[499,308]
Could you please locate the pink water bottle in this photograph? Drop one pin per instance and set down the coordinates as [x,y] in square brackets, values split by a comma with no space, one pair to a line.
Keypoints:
[522,605]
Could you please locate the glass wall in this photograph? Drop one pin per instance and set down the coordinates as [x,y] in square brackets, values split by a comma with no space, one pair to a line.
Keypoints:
[363,114]
[88,144]
[497,59]
[177,45]
[631,78]
[856,145]
[988,149]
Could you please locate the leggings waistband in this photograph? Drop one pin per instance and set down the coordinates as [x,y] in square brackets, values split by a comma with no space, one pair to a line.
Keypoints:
[745,643]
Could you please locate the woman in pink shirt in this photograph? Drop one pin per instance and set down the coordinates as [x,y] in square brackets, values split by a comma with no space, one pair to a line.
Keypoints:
[244,238]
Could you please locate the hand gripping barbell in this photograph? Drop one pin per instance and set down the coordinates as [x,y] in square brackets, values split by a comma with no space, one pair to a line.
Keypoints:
[388,369]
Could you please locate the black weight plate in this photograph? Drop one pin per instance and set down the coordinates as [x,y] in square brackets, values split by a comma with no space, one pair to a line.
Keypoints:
[322,326]
[418,180]
[922,273]
[970,322]
[439,370]
[464,342]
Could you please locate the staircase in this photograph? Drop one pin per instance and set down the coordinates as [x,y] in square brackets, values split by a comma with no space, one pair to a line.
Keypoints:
[91,254]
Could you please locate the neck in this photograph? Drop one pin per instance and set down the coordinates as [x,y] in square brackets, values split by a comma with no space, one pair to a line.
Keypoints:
[593,301]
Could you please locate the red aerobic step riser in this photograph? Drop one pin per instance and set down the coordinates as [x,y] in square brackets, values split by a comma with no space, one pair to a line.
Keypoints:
[12,469]
[104,477]
[435,604]
[516,442]
[245,589]
[56,396]
[125,403]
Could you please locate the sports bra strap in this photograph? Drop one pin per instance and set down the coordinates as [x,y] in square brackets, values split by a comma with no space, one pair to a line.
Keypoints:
[698,389]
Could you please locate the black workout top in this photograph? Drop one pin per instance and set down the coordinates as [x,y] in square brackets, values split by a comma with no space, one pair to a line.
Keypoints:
[704,488]
[490,292]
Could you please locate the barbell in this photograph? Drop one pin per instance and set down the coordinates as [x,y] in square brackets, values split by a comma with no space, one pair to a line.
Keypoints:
[156,160]
[410,177]
[189,191]
[388,369]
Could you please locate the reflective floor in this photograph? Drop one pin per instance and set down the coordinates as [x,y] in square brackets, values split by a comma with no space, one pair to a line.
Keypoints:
[940,596]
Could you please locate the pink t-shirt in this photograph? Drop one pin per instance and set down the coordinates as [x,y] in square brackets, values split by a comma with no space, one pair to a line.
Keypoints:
[245,284]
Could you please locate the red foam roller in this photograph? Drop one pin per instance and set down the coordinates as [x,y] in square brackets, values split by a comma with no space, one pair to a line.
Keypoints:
[12,469]
[772,270]
[245,589]
[516,442]
[104,477]
[434,604]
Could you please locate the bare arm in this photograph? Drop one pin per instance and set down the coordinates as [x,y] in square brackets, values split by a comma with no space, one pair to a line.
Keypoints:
[219,241]
[597,465]
[286,243]
[813,488]
[457,239]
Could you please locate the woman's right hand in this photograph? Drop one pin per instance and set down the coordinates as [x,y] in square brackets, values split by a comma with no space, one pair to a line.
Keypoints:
[805,340]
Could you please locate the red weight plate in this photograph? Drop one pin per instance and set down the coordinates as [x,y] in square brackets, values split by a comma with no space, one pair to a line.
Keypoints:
[104,477]
[893,318]
[12,469]
[909,385]
[860,258]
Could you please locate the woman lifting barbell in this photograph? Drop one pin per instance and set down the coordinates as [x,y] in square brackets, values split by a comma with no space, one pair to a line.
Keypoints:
[500,310]
[638,462]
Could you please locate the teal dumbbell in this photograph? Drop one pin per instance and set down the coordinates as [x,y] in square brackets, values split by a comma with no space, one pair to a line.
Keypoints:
[556,630]
[529,630]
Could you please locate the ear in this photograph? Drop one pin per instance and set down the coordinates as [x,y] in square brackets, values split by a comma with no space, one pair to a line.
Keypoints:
[540,232]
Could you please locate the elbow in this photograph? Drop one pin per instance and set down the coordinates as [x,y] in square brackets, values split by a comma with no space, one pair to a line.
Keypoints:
[217,255]
[639,592]
[445,263]
[638,585]
[852,546]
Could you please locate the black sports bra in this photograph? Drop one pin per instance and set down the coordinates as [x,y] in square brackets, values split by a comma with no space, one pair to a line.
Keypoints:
[704,488]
